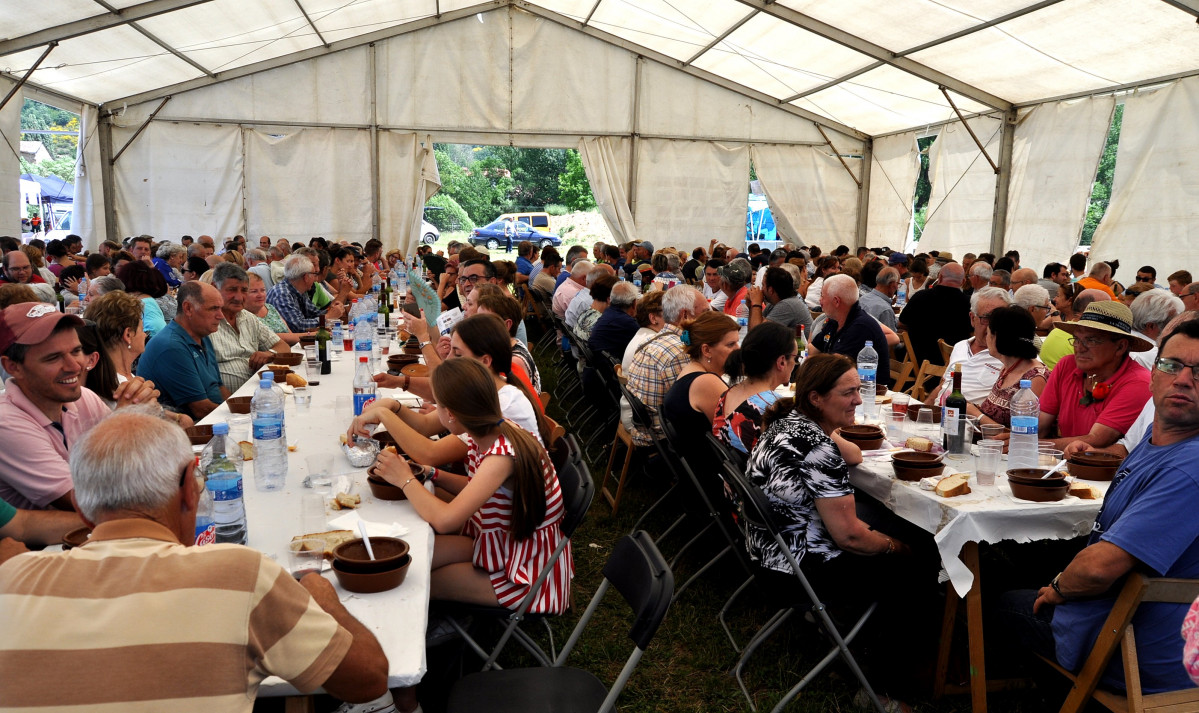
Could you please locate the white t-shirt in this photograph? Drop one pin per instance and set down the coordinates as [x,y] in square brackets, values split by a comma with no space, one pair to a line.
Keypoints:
[813,298]
[641,336]
[979,371]
[516,408]
[1137,430]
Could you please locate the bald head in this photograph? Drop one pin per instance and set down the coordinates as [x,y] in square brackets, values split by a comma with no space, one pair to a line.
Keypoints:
[1086,297]
[952,275]
[1023,276]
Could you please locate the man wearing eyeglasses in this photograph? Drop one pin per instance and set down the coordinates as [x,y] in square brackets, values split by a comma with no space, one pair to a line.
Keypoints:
[1146,524]
[1096,393]
[1190,296]
[290,296]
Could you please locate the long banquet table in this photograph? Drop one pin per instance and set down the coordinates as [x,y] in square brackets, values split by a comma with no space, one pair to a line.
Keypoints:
[398,617]
[988,514]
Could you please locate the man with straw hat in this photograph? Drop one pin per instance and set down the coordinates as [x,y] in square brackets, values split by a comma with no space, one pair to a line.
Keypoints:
[1097,392]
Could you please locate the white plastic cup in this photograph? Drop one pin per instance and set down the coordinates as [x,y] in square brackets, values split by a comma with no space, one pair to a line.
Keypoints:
[989,453]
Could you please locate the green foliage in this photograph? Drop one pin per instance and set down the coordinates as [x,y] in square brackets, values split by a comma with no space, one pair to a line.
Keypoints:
[453,217]
[35,115]
[480,190]
[573,189]
[1101,192]
[556,209]
[63,168]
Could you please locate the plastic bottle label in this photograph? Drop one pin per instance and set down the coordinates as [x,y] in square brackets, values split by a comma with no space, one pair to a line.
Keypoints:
[1024,425]
[866,374]
[267,429]
[205,533]
[225,490]
[362,402]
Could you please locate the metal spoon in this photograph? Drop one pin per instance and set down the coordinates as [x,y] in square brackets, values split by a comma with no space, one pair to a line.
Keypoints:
[366,539]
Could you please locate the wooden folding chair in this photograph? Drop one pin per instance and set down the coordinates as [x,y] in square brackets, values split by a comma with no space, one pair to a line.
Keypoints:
[903,371]
[946,350]
[1117,633]
[928,370]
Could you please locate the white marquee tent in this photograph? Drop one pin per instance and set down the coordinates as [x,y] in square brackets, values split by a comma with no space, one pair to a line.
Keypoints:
[295,118]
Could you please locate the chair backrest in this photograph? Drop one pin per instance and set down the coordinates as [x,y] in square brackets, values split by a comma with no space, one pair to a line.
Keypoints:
[578,490]
[639,572]
[946,349]
[642,416]
[928,370]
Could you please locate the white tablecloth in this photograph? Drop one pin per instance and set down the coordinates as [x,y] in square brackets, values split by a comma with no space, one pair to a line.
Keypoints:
[988,514]
[398,617]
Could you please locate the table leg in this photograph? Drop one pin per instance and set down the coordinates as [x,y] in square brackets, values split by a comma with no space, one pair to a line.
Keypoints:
[299,704]
[974,631]
[948,622]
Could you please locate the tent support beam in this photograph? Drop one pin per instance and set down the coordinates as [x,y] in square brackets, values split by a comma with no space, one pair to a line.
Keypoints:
[635,139]
[1116,89]
[723,36]
[870,49]
[312,24]
[1191,6]
[141,128]
[864,192]
[587,20]
[21,82]
[837,153]
[673,63]
[832,83]
[979,27]
[50,94]
[155,39]
[89,25]
[1002,179]
[970,130]
[106,178]
[374,143]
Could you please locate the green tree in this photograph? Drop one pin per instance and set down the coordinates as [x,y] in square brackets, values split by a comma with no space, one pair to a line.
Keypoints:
[573,189]
[63,168]
[451,217]
[1101,191]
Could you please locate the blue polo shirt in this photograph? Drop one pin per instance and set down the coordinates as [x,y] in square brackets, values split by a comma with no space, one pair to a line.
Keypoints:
[1149,512]
[523,266]
[183,371]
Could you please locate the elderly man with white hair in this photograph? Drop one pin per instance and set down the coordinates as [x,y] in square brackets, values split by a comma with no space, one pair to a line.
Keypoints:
[1151,312]
[848,327]
[290,296]
[203,626]
[581,302]
[257,263]
[574,283]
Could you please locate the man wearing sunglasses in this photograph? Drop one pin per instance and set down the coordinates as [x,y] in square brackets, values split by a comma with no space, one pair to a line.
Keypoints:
[1146,524]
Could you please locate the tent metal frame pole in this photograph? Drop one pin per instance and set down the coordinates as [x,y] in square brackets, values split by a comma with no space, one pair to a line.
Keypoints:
[312,24]
[141,128]
[1002,181]
[29,73]
[721,38]
[106,178]
[374,143]
[864,192]
[840,158]
[158,41]
[1189,6]
[635,138]
[966,124]
[88,25]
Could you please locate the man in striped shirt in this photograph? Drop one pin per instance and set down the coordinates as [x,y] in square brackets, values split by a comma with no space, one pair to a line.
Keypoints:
[135,620]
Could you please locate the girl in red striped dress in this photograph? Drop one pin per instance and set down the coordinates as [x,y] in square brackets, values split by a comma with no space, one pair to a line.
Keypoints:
[497,533]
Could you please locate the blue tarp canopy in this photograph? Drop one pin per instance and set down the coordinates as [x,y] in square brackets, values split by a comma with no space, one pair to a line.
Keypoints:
[54,189]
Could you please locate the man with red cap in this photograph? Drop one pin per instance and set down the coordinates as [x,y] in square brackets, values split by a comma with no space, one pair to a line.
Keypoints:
[45,407]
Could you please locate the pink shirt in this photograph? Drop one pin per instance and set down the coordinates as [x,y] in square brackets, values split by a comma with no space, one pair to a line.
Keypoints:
[564,294]
[1130,391]
[33,455]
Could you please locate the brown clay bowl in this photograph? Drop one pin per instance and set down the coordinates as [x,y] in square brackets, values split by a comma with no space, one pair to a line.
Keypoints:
[914,465]
[415,370]
[280,373]
[412,349]
[306,340]
[861,432]
[867,441]
[398,361]
[914,412]
[383,490]
[76,538]
[1092,465]
[372,582]
[352,556]
[199,435]
[288,359]
[239,404]
[880,389]
[1033,477]
[1038,493]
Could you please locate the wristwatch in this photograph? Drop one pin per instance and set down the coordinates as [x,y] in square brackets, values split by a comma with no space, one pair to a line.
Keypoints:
[422,345]
[1058,588]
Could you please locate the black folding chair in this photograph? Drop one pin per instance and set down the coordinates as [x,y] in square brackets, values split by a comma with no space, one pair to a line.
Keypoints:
[639,573]
[755,509]
[578,491]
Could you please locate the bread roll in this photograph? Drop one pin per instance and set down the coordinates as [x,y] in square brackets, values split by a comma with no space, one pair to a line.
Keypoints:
[1083,491]
[917,443]
[953,485]
[295,380]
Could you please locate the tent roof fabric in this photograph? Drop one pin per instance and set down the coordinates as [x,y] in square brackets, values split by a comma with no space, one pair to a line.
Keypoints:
[875,67]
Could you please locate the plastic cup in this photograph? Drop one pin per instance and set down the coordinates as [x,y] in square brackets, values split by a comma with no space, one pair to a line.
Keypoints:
[991,431]
[239,427]
[312,372]
[310,353]
[899,403]
[896,429]
[925,425]
[303,397]
[1048,457]
[989,452]
[305,557]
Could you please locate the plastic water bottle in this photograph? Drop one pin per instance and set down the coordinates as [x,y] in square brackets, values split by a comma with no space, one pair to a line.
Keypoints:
[82,293]
[270,441]
[337,335]
[364,387]
[364,340]
[868,373]
[901,297]
[637,280]
[401,281]
[1026,407]
[205,525]
[223,481]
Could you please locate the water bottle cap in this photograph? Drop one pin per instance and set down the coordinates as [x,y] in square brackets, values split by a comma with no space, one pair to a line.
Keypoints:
[1026,383]
[362,360]
[266,383]
[869,343]
[220,429]
[268,376]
